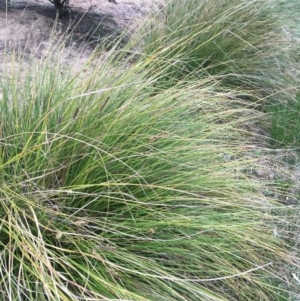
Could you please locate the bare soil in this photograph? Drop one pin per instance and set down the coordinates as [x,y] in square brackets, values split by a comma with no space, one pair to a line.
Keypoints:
[29,24]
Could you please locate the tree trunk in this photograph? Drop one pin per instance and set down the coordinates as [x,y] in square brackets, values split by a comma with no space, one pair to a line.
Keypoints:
[59,4]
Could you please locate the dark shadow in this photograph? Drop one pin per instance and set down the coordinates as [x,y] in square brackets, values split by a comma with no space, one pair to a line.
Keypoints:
[80,26]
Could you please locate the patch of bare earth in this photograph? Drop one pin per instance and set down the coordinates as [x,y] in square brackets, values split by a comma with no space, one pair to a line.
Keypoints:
[29,24]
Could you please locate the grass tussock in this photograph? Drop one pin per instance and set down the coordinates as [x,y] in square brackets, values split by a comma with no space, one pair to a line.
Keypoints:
[113,189]
[240,39]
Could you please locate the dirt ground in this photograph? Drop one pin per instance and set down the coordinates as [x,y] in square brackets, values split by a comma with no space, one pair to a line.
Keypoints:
[29,23]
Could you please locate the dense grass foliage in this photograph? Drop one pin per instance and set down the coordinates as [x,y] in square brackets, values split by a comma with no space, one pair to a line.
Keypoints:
[285,121]
[284,129]
[240,39]
[134,180]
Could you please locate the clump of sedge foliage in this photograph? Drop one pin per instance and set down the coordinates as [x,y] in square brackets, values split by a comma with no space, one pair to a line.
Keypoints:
[116,187]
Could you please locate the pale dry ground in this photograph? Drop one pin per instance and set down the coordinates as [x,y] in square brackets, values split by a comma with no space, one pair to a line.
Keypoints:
[28,24]
[124,13]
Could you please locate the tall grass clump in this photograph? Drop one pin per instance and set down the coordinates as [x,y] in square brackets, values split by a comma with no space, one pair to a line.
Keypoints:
[240,39]
[114,190]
